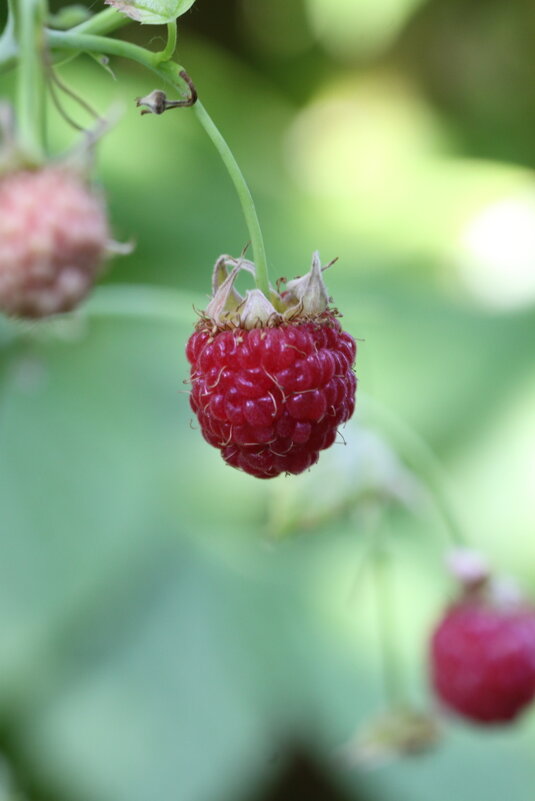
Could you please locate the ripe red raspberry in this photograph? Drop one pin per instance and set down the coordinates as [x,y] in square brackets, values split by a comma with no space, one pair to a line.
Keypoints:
[270,399]
[53,240]
[269,387]
[483,660]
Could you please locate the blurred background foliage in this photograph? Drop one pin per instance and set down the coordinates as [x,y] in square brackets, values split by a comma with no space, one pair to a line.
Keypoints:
[170,628]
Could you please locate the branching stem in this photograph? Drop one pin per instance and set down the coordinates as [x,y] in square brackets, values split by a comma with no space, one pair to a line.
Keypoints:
[169,71]
[418,454]
[387,629]
[103,23]
[169,50]
[244,195]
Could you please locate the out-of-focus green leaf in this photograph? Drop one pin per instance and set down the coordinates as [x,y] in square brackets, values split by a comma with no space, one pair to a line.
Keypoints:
[152,12]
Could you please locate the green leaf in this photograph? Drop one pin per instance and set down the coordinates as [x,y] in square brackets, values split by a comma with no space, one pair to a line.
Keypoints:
[152,12]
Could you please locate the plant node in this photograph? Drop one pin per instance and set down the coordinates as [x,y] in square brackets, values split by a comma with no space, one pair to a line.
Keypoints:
[156,102]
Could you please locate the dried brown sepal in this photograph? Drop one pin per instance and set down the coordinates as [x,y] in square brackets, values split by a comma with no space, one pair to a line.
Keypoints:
[303,299]
[156,102]
[395,734]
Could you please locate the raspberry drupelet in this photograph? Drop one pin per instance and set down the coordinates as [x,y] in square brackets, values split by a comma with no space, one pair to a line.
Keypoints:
[482,656]
[271,396]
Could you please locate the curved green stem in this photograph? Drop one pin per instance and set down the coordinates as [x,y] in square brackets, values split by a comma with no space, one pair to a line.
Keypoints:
[100,24]
[169,50]
[91,43]
[244,194]
[169,72]
[417,453]
[103,23]
[30,16]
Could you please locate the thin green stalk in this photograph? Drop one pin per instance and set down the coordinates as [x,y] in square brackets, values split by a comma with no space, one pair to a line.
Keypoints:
[387,627]
[90,43]
[100,24]
[418,454]
[169,50]
[103,23]
[169,71]
[244,194]
[30,15]
[375,516]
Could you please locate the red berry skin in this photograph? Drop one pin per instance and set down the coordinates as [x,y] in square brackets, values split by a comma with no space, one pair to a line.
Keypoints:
[272,398]
[53,240]
[483,661]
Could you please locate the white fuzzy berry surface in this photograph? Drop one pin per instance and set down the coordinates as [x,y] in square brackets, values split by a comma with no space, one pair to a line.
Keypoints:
[53,239]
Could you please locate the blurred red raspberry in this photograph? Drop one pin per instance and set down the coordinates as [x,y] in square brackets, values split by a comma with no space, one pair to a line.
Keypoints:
[483,660]
[53,241]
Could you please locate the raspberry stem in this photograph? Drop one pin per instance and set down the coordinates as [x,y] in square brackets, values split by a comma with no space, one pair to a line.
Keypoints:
[169,72]
[415,450]
[244,195]
[387,628]
[29,22]
[103,23]
[168,52]
[79,39]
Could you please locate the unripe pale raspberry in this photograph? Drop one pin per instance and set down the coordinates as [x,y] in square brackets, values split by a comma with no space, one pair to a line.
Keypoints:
[53,241]
[483,660]
[271,395]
